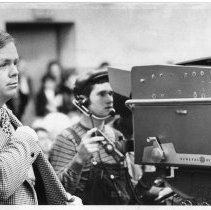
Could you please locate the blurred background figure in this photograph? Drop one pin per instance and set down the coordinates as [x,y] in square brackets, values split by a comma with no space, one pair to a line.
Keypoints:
[56,90]
[54,123]
[47,99]
[54,69]
[45,140]
[25,88]
[123,119]
[103,66]
[66,90]
[53,104]
[25,93]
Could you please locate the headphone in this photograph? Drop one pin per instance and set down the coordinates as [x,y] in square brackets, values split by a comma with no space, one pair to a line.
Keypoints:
[82,100]
[82,104]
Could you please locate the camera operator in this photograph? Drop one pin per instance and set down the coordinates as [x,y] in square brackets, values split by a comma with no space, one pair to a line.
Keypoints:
[79,156]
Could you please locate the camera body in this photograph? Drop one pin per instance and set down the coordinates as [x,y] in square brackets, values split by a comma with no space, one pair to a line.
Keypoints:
[171,108]
[174,104]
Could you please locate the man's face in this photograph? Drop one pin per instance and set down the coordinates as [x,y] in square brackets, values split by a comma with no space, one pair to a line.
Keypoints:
[101,99]
[8,72]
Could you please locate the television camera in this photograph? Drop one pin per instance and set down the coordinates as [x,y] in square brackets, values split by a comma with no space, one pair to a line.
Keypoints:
[171,108]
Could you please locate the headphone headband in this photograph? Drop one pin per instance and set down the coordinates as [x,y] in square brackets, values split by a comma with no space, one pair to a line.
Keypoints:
[85,79]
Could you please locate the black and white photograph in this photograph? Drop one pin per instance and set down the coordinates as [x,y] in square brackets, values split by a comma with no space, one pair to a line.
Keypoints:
[105,104]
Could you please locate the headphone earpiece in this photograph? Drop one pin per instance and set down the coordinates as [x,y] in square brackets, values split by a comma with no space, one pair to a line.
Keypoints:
[83,100]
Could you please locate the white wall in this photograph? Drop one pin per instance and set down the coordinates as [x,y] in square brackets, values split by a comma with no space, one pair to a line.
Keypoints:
[127,34]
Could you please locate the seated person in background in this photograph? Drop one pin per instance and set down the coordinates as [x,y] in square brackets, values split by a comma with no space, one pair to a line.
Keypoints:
[66,90]
[47,100]
[44,140]
[55,70]
[79,156]
[54,123]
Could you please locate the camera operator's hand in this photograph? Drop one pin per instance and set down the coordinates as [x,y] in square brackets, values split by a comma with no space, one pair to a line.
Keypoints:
[89,144]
